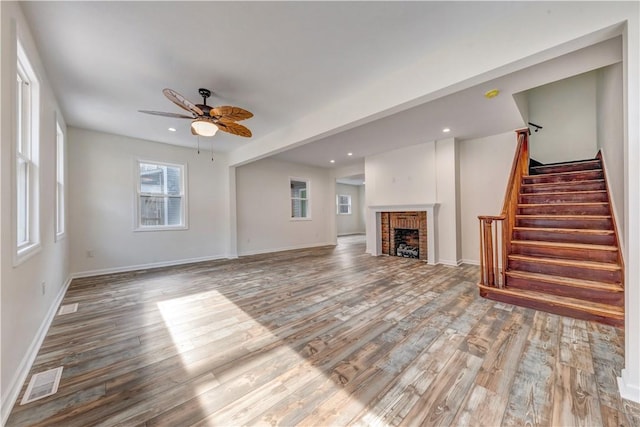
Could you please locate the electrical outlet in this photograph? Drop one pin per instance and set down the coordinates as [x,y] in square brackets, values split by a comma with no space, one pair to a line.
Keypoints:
[44,288]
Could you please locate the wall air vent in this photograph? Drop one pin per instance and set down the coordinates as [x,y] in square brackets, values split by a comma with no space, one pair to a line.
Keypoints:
[67,309]
[42,384]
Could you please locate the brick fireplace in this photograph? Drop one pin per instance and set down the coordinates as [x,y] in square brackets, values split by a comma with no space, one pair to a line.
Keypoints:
[404,234]
[379,229]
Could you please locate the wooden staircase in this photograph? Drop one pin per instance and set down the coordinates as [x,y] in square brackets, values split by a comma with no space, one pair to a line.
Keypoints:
[562,254]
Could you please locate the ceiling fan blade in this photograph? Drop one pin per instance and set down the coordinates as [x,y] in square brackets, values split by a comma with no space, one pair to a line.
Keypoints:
[233,128]
[162,113]
[228,112]
[181,101]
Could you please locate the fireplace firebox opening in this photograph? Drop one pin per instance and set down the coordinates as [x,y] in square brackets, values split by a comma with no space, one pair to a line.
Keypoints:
[407,243]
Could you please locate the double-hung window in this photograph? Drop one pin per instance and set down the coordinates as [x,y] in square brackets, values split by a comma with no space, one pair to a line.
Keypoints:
[161,197]
[299,198]
[27,130]
[60,211]
[344,204]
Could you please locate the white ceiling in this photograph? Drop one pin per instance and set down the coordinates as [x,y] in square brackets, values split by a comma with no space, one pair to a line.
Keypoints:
[280,60]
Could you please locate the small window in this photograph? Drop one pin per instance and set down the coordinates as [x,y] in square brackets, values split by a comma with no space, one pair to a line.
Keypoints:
[299,198]
[60,190]
[344,204]
[161,197]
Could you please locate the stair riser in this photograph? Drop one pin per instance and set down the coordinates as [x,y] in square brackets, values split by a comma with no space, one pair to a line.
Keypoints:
[566,253]
[549,308]
[561,197]
[582,224]
[583,166]
[587,294]
[565,186]
[566,209]
[552,236]
[577,176]
[596,275]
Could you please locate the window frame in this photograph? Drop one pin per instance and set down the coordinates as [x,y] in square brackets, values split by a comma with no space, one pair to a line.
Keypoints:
[137,226]
[26,147]
[307,199]
[60,222]
[338,204]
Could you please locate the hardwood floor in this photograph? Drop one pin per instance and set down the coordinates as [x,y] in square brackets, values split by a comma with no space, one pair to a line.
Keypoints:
[325,336]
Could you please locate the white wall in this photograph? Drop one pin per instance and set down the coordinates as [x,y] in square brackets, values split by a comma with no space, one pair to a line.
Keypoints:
[611,137]
[567,111]
[421,174]
[351,223]
[363,203]
[102,194]
[485,164]
[403,176]
[263,201]
[25,311]
[448,197]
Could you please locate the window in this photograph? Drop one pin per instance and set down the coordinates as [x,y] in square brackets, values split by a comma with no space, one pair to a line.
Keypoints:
[60,213]
[26,150]
[344,204]
[161,198]
[299,198]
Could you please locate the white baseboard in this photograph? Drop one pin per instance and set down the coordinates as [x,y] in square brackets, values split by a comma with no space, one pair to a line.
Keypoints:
[285,248]
[15,383]
[129,268]
[449,262]
[628,391]
[471,261]
[355,233]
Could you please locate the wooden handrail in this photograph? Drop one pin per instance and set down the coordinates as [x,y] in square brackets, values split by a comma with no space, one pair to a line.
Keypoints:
[495,242]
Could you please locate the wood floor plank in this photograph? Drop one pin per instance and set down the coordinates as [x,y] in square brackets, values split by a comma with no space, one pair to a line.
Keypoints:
[320,336]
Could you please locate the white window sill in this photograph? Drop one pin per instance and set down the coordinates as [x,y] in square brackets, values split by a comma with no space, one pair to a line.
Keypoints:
[168,228]
[60,236]
[26,252]
[300,219]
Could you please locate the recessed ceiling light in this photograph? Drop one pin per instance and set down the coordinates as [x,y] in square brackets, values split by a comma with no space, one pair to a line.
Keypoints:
[172,129]
[349,154]
[332,161]
[446,130]
[491,93]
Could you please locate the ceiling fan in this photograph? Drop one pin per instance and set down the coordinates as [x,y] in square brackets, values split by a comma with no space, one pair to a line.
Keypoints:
[207,120]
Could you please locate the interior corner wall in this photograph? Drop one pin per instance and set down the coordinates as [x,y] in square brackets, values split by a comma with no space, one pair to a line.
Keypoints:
[264,207]
[447,195]
[25,309]
[611,136]
[485,164]
[350,223]
[566,110]
[102,192]
[363,209]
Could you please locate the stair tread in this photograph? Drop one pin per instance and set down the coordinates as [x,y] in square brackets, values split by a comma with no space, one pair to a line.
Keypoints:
[564,192]
[613,287]
[567,262]
[569,163]
[564,173]
[572,203]
[574,303]
[576,182]
[566,230]
[561,216]
[587,246]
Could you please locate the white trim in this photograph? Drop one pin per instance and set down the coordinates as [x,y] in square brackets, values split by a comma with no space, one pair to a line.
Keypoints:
[628,391]
[18,380]
[471,261]
[150,265]
[285,248]
[450,263]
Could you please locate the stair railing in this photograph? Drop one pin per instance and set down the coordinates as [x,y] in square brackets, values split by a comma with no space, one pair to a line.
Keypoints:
[495,241]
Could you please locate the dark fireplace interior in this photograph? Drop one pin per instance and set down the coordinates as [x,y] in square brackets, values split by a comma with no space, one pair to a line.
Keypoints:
[407,243]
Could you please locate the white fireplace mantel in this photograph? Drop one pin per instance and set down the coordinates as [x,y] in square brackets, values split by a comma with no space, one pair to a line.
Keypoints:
[374,241]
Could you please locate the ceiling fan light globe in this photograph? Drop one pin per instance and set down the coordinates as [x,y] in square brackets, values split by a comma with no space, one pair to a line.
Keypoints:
[204,127]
